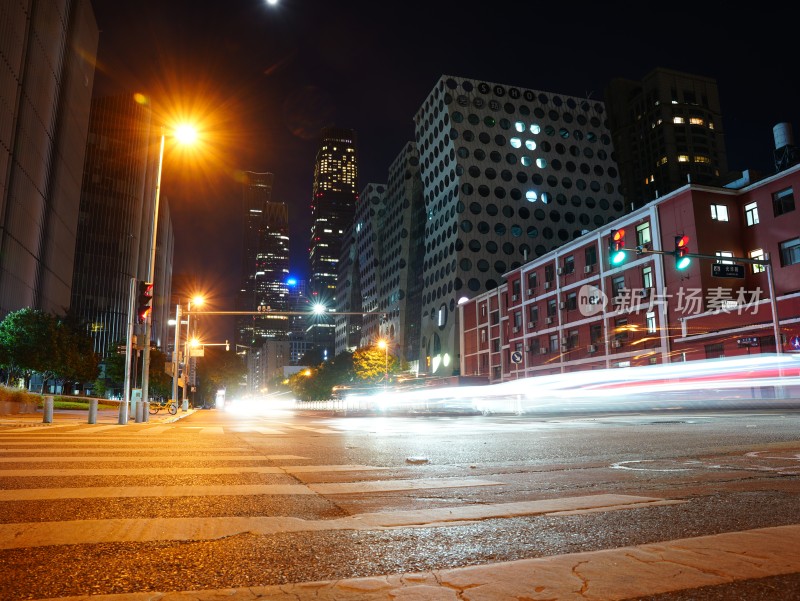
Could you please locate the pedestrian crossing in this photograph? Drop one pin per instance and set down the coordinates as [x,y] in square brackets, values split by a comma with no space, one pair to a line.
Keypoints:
[244,471]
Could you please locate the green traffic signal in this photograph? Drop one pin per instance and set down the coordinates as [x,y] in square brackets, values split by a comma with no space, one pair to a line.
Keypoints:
[682,260]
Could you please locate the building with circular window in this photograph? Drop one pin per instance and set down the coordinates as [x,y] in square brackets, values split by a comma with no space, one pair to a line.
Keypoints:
[508,174]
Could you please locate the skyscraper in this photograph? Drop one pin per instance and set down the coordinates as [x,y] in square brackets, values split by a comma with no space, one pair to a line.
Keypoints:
[667,131]
[332,209]
[45,89]
[508,174]
[113,241]
[265,264]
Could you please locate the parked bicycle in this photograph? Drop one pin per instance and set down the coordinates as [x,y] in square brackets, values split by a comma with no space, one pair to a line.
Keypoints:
[168,404]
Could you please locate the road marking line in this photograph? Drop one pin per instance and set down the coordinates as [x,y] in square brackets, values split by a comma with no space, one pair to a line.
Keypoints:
[259,429]
[35,534]
[104,492]
[169,470]
[344,488]
[181,457]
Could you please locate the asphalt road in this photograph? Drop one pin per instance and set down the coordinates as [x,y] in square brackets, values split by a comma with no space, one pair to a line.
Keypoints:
[474,506]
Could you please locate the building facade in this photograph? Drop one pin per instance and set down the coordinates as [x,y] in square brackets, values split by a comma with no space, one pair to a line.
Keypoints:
[114,228]
[508,175]
[572,310]
[667,131]
[333,204]
[48,50]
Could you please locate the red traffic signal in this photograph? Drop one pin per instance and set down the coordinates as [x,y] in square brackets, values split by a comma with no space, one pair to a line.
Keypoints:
[682,260]
[144,299]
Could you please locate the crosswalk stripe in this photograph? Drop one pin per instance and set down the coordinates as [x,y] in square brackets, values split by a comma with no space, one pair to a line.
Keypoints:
[183,470]
[164,457]
[35,534]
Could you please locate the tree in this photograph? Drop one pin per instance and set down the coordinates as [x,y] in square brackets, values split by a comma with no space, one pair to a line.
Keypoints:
[316,383]
[219,369]
[370,364]
[312,357]
[160,383]
[27,341]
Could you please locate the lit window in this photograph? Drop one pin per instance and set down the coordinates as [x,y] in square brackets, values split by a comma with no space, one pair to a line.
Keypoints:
[683,158]
[662,161]
[757,254]
[535,129]
[790,252]
[519,126]
[701,159]
[526,161]
[724,253]
[719,212]
[710,125]
[530,144]
[751,213]
[541,163]
[651,322]
[678,120]
[531,195]
[515,142]
[643,234]
[695,121]
[647,277]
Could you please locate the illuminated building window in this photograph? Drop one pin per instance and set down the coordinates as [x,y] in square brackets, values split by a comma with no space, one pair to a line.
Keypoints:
[678,120]
[650,318]
[515,142]
[790,252]
[710,125]
[519,126]
[724,253]
[751,213]
[719,212]
[759,255]
[683,158]
[696,121]
[701,159]
[662,161]
[643,234]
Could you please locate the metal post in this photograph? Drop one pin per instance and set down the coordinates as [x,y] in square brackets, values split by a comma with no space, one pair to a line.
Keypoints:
[126,396]
[176,353]
[187,359]
[48,410]
[92,411]
[776,326]
[151,275]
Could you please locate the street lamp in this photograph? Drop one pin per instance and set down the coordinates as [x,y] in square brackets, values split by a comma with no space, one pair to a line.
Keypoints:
[187,357]
[183,135]
[385,346]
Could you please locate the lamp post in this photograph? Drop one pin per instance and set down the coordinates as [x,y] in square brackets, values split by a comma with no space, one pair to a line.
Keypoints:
[176,355]
[187,356]
[185,134]
[385,346]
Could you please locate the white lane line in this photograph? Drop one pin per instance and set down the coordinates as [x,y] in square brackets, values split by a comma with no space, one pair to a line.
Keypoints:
[134,458]
[309,428]
[196,471]
[258,429]
[36,534]
[343,488]
[31,494]
[60,443]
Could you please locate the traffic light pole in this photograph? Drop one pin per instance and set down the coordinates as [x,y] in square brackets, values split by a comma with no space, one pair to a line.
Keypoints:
[766,262]
[126,395]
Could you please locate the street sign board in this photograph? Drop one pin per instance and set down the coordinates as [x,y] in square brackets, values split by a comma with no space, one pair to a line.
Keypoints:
[516,357]
[748,341]
[727,270]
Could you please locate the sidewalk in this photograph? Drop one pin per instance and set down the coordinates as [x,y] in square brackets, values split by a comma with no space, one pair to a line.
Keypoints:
[80,416]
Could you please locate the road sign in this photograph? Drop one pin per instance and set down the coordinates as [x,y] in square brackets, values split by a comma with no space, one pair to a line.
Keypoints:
[748,341]
[727,270]
[516,357]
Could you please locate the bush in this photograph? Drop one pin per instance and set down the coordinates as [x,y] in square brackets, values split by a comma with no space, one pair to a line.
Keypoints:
[17,395]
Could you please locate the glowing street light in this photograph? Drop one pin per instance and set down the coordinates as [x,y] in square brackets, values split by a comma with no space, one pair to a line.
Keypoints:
[198,301]
[385,346]
[184,134]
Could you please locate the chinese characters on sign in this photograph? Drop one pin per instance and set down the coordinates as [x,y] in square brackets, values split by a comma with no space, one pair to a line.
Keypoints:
[690,301]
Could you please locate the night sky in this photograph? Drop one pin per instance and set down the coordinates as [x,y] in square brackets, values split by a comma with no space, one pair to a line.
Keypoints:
[265,79]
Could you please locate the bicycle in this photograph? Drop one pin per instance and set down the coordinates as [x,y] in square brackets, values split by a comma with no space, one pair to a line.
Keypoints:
[169,405]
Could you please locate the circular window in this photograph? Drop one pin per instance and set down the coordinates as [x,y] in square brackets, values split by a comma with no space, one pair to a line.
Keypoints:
[473,284]
[474,245]
[530,144]
[526,161]
[483,227]
[491,209]
[466,225]
[515,142]
[483,190]
[489,121]
[480,154]
[532,231]
[483,265]
[499,229]
[491,247]
[465,264]
[531,196]
[541,163]
[500,266]
[475,208]
[473,118]
[519,126]
[516,230]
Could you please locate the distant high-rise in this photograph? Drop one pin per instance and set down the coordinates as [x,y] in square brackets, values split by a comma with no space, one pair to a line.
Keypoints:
[265,266]
[332,209]
[48,55]
[667,131]
[113,241]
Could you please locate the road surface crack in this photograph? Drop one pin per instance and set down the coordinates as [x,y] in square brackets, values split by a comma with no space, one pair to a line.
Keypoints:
[584,580]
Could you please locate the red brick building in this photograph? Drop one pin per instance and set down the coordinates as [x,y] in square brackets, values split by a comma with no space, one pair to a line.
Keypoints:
[571,310]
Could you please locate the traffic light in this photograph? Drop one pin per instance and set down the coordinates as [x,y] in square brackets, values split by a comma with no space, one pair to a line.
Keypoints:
[682,260]
[143,301]
[616,247]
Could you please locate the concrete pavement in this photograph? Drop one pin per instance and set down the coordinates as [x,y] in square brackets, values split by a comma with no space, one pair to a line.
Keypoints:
[80,416]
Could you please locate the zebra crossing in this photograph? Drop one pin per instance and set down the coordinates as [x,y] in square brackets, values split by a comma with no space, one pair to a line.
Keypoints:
[78,482]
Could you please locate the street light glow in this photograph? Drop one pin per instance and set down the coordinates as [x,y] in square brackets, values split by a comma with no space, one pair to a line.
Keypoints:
[198,300]
[319,308]
[186,134]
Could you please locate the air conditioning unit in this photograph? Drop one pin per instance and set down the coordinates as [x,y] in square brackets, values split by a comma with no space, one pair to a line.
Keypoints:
[532,325]
[547,285]
[588,269]
[515,329]
[530,291]
[564,348]
[560,270]
[616,343]
[548,320]
[543,350]
[592,348]
[514,297]
[563,340]
[562,305]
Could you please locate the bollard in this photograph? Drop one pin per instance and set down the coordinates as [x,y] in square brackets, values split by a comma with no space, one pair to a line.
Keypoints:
[92,411]
[139,406]
[48,410]
[123,413]
[146,411]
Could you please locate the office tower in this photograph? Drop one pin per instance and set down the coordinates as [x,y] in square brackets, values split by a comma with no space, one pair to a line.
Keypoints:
[667,131]
[114,229]
[48,52]
[508,174]
[332,209]
[265,261]
[403,251]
